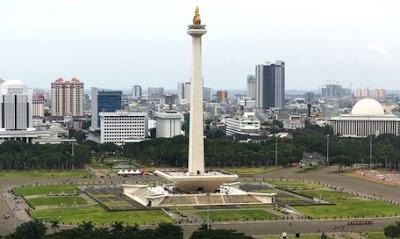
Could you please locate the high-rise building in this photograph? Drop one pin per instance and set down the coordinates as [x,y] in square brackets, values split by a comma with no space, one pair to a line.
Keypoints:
[270,85]
[155,93]
[222,96]
[137,92]
[104,101]
[67,97]
[15,110]
[38,105]
[184,91]
[251,87]
[362,93]
[121,127]
[169,124]
[207,94]
[380,94]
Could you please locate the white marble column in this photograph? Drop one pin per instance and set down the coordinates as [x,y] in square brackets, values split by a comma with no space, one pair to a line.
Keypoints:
[196,136]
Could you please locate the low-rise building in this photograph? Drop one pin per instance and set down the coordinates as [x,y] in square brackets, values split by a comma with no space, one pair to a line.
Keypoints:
[169,124]
[121,126]
[247,124]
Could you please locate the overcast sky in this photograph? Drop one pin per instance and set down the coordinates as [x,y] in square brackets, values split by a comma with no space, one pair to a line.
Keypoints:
[117,44]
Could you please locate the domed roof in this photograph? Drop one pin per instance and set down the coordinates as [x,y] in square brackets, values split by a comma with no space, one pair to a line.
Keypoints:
[367,107]
[13,83]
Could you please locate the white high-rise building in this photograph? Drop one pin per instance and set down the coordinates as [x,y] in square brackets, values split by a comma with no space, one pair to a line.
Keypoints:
[169,124]
[251,87]
[121,126]
[184,92]
[16,106]
[136,92]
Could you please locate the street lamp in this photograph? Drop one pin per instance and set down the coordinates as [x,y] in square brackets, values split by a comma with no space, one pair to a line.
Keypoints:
[276,151]
[370,152]
[327,149]
[208,211]
[73,146]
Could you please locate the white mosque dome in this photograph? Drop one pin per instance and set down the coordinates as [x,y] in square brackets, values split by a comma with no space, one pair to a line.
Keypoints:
[367,107]
[13,84]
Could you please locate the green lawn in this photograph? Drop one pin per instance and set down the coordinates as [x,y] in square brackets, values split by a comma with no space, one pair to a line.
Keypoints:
[116,203]
[99,215]
[56,201]
[47,189]
[254,170]
[295,184]
[109,195]
[44,174]
[327,195]
[375,235]
[225,215]
[350,208]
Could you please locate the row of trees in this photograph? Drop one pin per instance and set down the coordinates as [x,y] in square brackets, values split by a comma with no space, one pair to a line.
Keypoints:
[37,230]
[218,153]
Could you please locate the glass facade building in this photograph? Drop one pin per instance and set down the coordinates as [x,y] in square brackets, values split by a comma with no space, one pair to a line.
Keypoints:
[104,101]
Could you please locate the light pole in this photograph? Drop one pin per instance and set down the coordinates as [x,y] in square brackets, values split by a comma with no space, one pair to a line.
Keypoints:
[208,211]
[73,146]
[370,152]
[327,149]
[276,151]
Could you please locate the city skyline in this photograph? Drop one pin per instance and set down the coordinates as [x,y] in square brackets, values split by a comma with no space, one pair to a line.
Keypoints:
[118,45]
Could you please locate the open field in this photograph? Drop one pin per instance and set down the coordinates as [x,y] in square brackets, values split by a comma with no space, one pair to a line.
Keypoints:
[47,189]
[99,215]
[253,170]
[56,201]
[295,184]
[350,208]
[375,235]
[44,174]
[239,215]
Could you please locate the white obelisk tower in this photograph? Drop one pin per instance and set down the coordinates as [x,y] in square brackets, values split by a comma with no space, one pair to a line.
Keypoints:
[196,136]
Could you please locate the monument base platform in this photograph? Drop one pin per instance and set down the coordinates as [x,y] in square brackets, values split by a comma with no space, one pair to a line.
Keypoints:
[227,195]
[207,182]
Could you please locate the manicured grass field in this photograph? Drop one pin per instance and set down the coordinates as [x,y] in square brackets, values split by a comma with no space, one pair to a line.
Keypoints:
[254,170]
[295,184]
[350,208]
[374,235]
[56,201]
[109,195]
[117,203]
[325,194]
[230,215]
[47,189]
[99,215]
[44,174]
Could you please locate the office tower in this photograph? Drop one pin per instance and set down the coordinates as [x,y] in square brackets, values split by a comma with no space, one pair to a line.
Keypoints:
[222,96]
[67,97]
[136,92]
[155,93]
[38,105]
[169,124]
[251,87]
[120,127]
[104,101]
[15,110]
[184,91]
[207,94]
[181,90]
[380,94]
[270,85]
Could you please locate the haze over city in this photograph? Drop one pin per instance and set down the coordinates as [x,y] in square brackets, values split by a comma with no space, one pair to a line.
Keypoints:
[121,43]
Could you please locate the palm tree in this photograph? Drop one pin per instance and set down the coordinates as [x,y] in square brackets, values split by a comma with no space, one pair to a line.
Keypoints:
[55,225]
[117,227]
[87,226]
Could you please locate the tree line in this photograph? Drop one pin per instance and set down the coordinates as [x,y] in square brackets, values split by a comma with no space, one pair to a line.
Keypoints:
[37,230]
